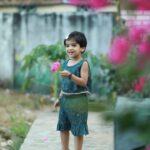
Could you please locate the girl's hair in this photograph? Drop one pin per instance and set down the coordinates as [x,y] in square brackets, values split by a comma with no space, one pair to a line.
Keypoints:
[79,37]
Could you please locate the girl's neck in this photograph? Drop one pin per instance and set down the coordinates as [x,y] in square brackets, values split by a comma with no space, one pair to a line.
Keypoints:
[76,59]
[72,62]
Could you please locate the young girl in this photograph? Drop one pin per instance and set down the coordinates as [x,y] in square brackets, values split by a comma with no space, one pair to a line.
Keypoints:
[73,96]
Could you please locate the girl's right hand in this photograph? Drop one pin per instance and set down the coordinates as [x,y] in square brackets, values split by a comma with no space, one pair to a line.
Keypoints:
[64,73]
[57,103]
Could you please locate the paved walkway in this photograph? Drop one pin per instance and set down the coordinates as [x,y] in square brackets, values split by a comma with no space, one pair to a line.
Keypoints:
[43,134]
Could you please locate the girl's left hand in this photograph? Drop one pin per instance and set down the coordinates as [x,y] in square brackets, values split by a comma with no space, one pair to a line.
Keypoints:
[56,104]
[65,73]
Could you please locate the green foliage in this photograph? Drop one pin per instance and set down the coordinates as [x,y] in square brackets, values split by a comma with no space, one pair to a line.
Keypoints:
[16,144]
[134,115]
[19,126]
[146,92]
[125,74]
[118,27]
[48,52]
[34,73]
[19,131]
[103,76]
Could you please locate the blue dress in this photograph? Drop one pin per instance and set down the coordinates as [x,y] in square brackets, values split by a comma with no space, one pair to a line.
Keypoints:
[73,112]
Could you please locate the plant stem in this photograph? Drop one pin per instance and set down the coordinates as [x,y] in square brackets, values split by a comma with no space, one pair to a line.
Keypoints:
[55,84]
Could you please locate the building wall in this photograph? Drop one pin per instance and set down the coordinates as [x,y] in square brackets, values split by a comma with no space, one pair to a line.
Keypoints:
[21,32]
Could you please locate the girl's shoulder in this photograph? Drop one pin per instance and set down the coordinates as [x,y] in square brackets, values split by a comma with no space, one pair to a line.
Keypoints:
[86,61]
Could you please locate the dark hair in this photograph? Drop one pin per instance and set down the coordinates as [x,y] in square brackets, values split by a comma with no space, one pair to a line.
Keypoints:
[79,37]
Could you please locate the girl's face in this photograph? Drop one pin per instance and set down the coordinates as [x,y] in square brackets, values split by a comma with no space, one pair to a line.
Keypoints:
[73,49]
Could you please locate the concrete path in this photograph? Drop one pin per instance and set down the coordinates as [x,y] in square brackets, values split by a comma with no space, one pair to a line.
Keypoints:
[43,134]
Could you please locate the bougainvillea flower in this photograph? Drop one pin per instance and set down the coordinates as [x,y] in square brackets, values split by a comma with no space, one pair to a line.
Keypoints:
[98,3]
[119,50]
[116,57]
[138,88]
[139,85]
[45,139]
[136,34]
[144,48]
[75,2]
[141,4]
[121,43]
[55,66]
[142,80]
[147,148]
[91,3]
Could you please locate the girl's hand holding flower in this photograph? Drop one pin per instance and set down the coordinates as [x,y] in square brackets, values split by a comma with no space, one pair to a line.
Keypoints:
[65,73]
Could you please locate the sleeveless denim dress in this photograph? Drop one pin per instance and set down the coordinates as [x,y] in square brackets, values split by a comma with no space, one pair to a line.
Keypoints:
[73,111]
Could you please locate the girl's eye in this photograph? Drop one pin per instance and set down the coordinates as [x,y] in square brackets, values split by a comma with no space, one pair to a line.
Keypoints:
[73,45]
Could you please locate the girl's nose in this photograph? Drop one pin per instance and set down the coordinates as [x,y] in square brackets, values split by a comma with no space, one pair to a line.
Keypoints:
[70,47]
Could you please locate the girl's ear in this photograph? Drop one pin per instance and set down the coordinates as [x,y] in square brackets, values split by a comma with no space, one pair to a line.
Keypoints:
[83,49]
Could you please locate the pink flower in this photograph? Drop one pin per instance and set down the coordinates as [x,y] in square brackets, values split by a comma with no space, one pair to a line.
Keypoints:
[144,48]
[141,4]
[121,43]
[119,50]
[142,80]
[92,3]
[98,3]
[116,57]
[55,66]
[147,148]
[136,34]
[138,88]
[45,139]
[139,85]
[74,2]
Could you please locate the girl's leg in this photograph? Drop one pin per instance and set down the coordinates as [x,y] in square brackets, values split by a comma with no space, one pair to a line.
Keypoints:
[64,140]
[78,142]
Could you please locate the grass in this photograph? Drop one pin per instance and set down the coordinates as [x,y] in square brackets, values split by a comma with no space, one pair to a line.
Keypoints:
[18,111]
[19,130]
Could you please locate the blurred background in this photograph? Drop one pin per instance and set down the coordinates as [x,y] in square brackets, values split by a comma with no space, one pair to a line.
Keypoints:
[31,40]
[26,24]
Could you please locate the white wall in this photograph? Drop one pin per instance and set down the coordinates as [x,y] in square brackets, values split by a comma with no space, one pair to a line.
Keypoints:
[21,32]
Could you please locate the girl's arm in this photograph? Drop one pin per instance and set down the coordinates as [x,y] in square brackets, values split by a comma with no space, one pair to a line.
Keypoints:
[82,81]
[57,103]
[60,95]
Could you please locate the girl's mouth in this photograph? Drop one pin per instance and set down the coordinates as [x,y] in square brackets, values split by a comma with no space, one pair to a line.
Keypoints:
[70,53]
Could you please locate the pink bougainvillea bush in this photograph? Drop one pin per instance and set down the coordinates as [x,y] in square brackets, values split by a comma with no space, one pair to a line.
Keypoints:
[140,4]
[129,54]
